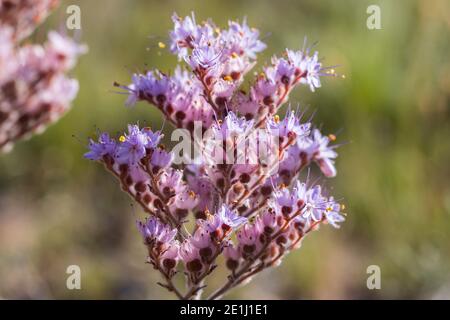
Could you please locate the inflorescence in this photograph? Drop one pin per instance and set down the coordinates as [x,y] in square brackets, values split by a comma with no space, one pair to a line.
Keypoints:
[34,88]
[252,213]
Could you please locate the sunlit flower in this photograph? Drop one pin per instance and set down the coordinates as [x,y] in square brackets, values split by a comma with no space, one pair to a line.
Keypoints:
[254,198]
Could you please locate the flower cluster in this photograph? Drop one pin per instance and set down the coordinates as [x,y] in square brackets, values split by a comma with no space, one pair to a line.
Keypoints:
[23,15]
[34,90]
[241,192]
[144,169]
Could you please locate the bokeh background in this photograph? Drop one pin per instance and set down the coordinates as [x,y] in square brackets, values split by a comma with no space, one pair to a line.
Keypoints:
[58,209]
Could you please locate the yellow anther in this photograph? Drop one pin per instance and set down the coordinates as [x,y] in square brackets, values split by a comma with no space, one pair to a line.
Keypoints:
[161,45]
[208,213]
[234,55]
[276,118]
[217,30]
[342,206]
[343,76]
[332,137]
[122,139]
[282,186]
[332,71]
[228,78]
[192,194]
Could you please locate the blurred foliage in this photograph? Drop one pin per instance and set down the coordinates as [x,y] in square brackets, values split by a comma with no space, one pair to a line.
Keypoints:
[58,209]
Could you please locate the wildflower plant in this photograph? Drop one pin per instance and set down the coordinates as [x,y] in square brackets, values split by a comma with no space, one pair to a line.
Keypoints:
[34,88]
[237,193]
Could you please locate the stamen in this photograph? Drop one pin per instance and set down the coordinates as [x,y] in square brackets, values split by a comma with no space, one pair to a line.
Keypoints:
[276,118]
[228,78]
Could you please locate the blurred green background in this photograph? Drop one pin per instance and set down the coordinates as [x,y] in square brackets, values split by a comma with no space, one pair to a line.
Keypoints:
[58,209]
